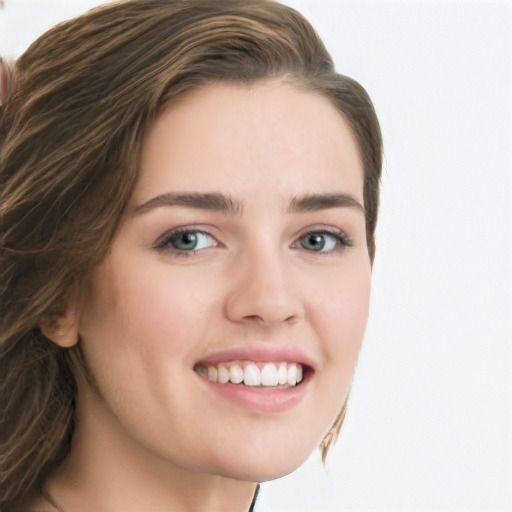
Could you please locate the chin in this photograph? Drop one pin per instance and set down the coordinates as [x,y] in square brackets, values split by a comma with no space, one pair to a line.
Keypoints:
[261,464]
[259,473]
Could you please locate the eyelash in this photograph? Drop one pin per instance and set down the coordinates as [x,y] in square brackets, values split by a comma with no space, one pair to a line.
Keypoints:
[164,243]
[340,239]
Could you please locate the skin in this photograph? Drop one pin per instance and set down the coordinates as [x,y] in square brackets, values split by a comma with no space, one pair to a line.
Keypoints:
[149,434]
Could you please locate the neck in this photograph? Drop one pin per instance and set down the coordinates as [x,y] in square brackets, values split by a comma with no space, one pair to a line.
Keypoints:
[107,470]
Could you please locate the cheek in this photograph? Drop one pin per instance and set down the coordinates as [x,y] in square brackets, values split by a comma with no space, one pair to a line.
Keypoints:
[150,313]
[342,314]
[170,309]
[345,304]
[142,327]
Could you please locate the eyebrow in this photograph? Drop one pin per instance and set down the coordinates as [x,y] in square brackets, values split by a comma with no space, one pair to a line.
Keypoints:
[222,203]
[210,201]
[315,202]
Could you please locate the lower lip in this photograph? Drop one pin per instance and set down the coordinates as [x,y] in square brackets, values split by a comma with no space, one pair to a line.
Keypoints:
[258,399]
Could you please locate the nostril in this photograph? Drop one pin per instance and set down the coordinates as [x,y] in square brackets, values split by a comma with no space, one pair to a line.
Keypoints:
[269,321]
[254,317]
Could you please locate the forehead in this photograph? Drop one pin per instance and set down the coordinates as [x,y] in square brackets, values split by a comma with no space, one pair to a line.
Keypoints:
[267,139]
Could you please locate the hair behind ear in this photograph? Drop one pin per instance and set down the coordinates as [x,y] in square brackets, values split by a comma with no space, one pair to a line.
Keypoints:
[331,437]
[36,421]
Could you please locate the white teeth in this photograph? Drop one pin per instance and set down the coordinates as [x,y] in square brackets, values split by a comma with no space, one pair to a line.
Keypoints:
[252,375]
[212,373]
[269,375]
[281,374]
[223,374]
[292,375]
[236,374]
[299,373]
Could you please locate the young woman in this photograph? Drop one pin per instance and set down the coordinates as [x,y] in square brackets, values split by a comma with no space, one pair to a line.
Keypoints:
[189,200]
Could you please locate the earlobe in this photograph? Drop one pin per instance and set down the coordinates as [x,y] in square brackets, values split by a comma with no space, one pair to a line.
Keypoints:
[64,330]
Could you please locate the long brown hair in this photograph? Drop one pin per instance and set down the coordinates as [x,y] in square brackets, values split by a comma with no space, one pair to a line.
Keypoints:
[71,140]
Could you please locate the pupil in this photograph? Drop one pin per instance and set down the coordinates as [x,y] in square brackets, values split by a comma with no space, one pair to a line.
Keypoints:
[315,242]
[186,241]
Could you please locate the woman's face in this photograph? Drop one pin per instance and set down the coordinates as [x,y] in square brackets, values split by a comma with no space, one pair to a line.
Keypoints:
[243,254]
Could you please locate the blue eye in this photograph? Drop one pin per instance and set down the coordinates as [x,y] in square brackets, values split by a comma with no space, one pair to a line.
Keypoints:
[187,241]
[323,241]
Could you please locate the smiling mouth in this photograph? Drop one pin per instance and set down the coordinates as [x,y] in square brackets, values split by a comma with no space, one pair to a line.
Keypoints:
[263,375]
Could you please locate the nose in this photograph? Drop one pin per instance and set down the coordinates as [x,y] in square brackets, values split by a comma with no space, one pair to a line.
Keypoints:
[263,291]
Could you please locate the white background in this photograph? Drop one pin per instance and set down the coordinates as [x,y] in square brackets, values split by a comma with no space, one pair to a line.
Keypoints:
[430,420]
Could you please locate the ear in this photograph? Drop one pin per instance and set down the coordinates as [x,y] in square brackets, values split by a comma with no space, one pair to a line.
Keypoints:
[64,330]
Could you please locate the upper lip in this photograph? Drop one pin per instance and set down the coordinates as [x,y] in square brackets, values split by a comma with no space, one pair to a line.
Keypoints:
[261,353]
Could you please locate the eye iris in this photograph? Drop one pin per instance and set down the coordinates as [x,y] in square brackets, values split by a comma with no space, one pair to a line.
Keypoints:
[313,242]
[185,241]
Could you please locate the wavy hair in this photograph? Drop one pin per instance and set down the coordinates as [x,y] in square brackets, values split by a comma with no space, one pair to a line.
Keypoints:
[71,141]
